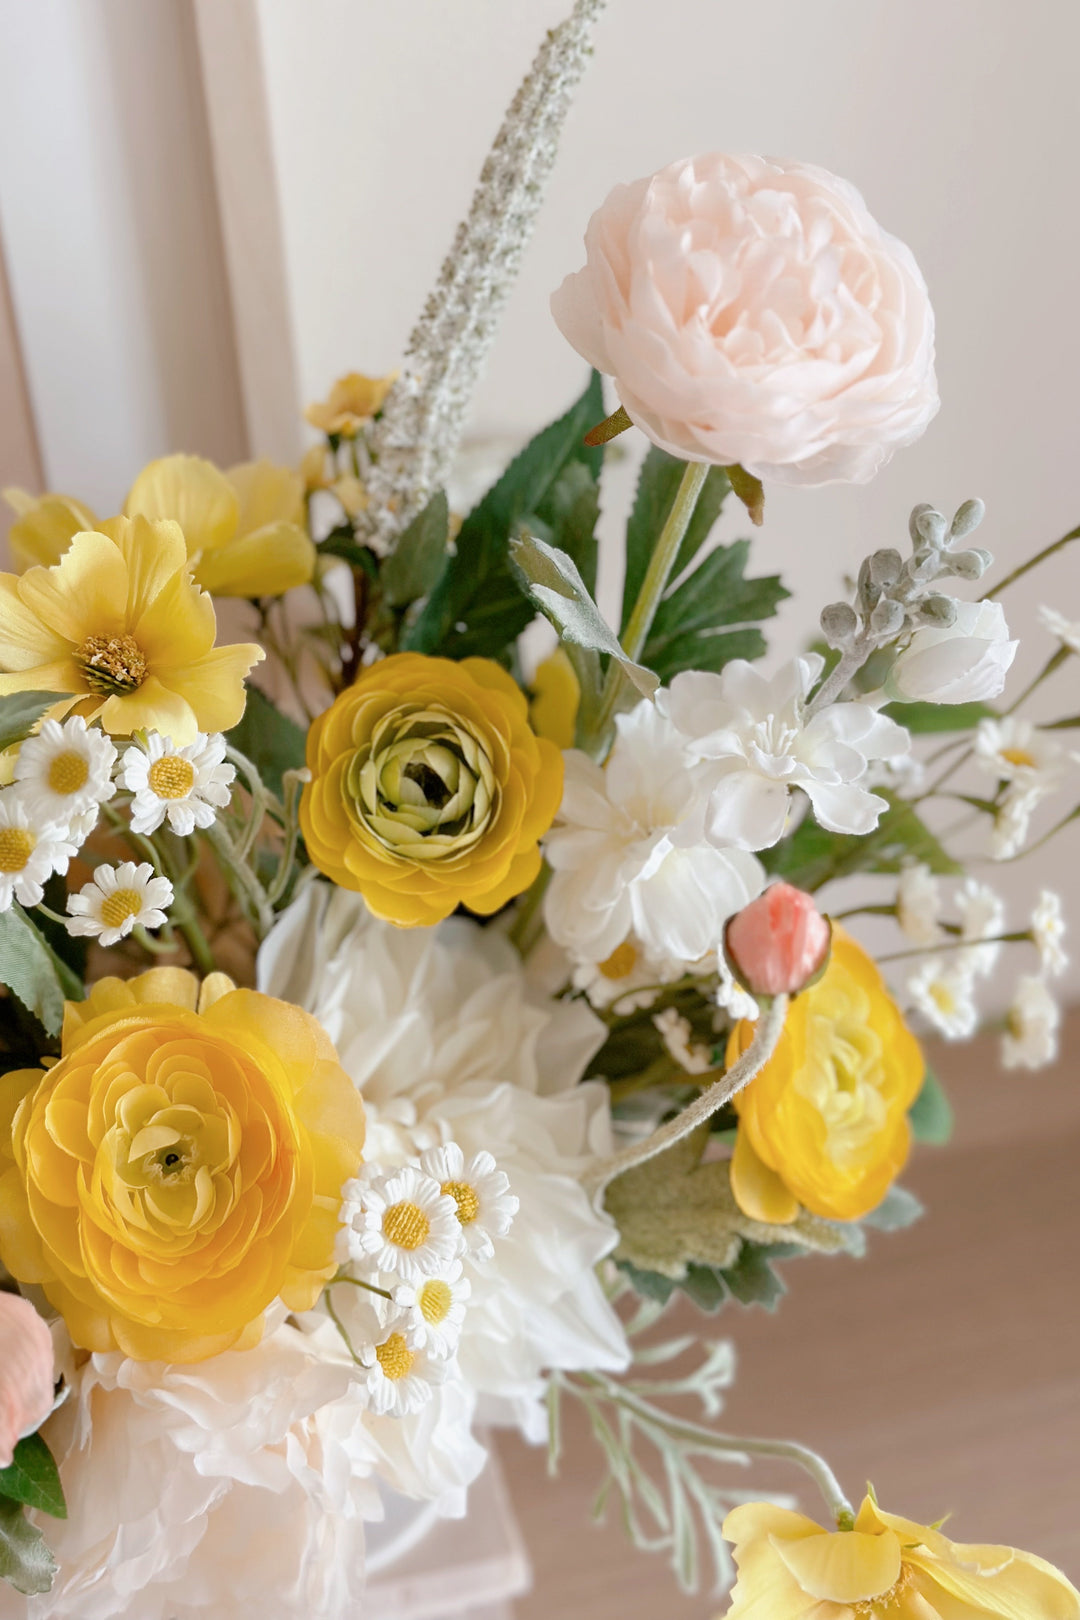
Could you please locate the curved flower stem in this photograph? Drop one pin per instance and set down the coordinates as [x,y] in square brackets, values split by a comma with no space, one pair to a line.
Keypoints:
[849,664]
[242,879]
[753,1060]
[528,919]
[1032,562]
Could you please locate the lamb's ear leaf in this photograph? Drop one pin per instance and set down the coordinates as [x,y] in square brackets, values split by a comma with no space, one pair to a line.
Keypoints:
[25,1559]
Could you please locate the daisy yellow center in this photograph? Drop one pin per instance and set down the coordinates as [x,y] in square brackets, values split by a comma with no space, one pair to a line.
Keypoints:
[887,1602]
[1018,756]
[112,665]
[621,961]
[406,1226]
[435,1301]
[171,777]
[394,1357]
[464,1196]
[68,772]
[16,848]
[943,997]
[117,907]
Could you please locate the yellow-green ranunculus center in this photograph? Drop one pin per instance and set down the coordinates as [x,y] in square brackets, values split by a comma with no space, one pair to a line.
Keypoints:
[425,785]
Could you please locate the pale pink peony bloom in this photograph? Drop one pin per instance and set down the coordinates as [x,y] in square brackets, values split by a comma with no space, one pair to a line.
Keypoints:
[753,311]
[779,942]
[26,1372]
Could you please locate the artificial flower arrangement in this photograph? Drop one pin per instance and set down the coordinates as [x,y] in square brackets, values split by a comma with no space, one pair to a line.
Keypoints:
[381,1060]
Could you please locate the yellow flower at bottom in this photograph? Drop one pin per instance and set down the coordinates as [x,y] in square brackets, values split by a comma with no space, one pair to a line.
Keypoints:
[179,1168]
[824,1125]
[886,1568]
[428,788]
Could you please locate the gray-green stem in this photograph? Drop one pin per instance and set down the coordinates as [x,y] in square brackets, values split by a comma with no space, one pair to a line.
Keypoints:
[1032,562]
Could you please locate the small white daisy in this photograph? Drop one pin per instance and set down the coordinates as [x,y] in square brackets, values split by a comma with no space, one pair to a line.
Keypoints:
[918,904]
[982,916]
[731,998]
[675,1032]
[627,980]
[400,1221]
[118,899]
[30,851]
[65,772]
[1014,750]
[188,785]
[1067,631]
[400,1376]
[1013,818]
[480,1192]
[436,1310]
[1048,931]
[1031,1026]
[943,992]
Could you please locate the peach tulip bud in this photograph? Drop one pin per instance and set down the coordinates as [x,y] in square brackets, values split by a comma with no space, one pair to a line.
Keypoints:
[26,1372]
[778,943]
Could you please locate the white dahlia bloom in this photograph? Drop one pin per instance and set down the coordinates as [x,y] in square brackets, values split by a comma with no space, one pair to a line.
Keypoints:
[65,771]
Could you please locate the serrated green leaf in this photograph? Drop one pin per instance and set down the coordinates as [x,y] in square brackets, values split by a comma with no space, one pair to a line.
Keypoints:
[20,713]
[931,1114]
[922,718]
[478,607]
[273,743]
[32,1478]
[706,650]
[25,1559]
[752,1280]
[413,567]
[33,972]
[658,484]
[813,856]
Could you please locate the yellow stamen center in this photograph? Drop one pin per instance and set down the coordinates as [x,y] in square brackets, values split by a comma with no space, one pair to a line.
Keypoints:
[435,1301]
[117,907]
[171,777]
[112,665]
[68,772]
[406,1225]
[394,1357]
[887,1602]
[464,1196]
[620,962]
[943,997]
[16,848]
[1018,756]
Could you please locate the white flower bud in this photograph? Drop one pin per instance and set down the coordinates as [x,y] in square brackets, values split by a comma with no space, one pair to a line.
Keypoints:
[964,663]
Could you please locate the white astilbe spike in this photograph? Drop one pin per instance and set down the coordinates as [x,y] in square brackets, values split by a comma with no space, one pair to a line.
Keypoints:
[416,438]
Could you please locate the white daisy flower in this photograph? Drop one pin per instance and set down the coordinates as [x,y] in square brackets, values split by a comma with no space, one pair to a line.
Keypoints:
[118,899]
[1013,819]
[1067,631]
[627,980]
[982,917]
[400,1376]
[1048,931]
[401,1221]
[187,785]
[1031,1026]
[918,904]
[30,851]
[65,772]
[731,998]
[481,1194]
[943,992]
[436,1310]
[1014,750]
[675,1032]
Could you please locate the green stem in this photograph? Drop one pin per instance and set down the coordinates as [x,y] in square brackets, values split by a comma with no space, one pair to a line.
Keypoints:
[938,946]
[1032,562]
[528,919]
[242,879]
[1054,662]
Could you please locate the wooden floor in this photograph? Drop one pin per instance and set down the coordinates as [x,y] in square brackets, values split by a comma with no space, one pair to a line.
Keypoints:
[945,1366]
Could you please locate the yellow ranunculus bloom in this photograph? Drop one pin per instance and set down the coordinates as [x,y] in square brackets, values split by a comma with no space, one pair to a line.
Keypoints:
[119,626]
[179,1168]
[886,1568]
[428,789]
[351,402]
[556,700]
[824,1125]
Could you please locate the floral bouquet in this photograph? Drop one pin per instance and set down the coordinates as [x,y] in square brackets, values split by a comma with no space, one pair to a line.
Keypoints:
[387,1041]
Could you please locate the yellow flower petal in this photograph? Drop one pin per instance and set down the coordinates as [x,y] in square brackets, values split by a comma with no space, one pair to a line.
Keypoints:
[845,1568]
[556,699]
[25,641]
[154,553]
[214,684]
[267,562]
[85,594]
[45,526]
[153,707]
[266,494]
[759,1191]
[193,493]
[176,627]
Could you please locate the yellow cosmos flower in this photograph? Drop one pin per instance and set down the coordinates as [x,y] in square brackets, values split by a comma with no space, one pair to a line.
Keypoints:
[44,526]
[886,1568]
[179,1168]
[351,402]
[428,788]
[118,623]
[824,1125]
[556,700]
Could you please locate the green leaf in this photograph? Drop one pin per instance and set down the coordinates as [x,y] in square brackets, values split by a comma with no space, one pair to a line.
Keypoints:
[931,1114]
[33,1478]
[273,743]
[929,717]
[21,711]
[752,1280]
[658,484]
[649,1284]
[706,1287]
[813,856]
[417,560]
[25,1559]
[567,518]
[32,970]
[898,1209]
[477,607]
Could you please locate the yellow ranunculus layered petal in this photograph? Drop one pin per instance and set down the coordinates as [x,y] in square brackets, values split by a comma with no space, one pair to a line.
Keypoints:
[885,1568]
[824,1125]
[179,1168]
[429,790]
[556,700]
[119,626]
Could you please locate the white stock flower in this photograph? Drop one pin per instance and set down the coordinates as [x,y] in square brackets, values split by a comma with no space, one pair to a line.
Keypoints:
[118,899]
[65,772]
[918,904]
[400,1221]
[1030,1040]
[435,1309]
[625,857]
[964,663]
[31,850]
[481,1193]
[754,734]
[982,916]
[1048,931]
[943,991]
[187,786]
[675,1032]
[1066,630]
[1014,750]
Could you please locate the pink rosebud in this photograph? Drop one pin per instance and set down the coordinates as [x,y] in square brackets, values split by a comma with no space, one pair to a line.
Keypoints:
[26,1372]
[779,942]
